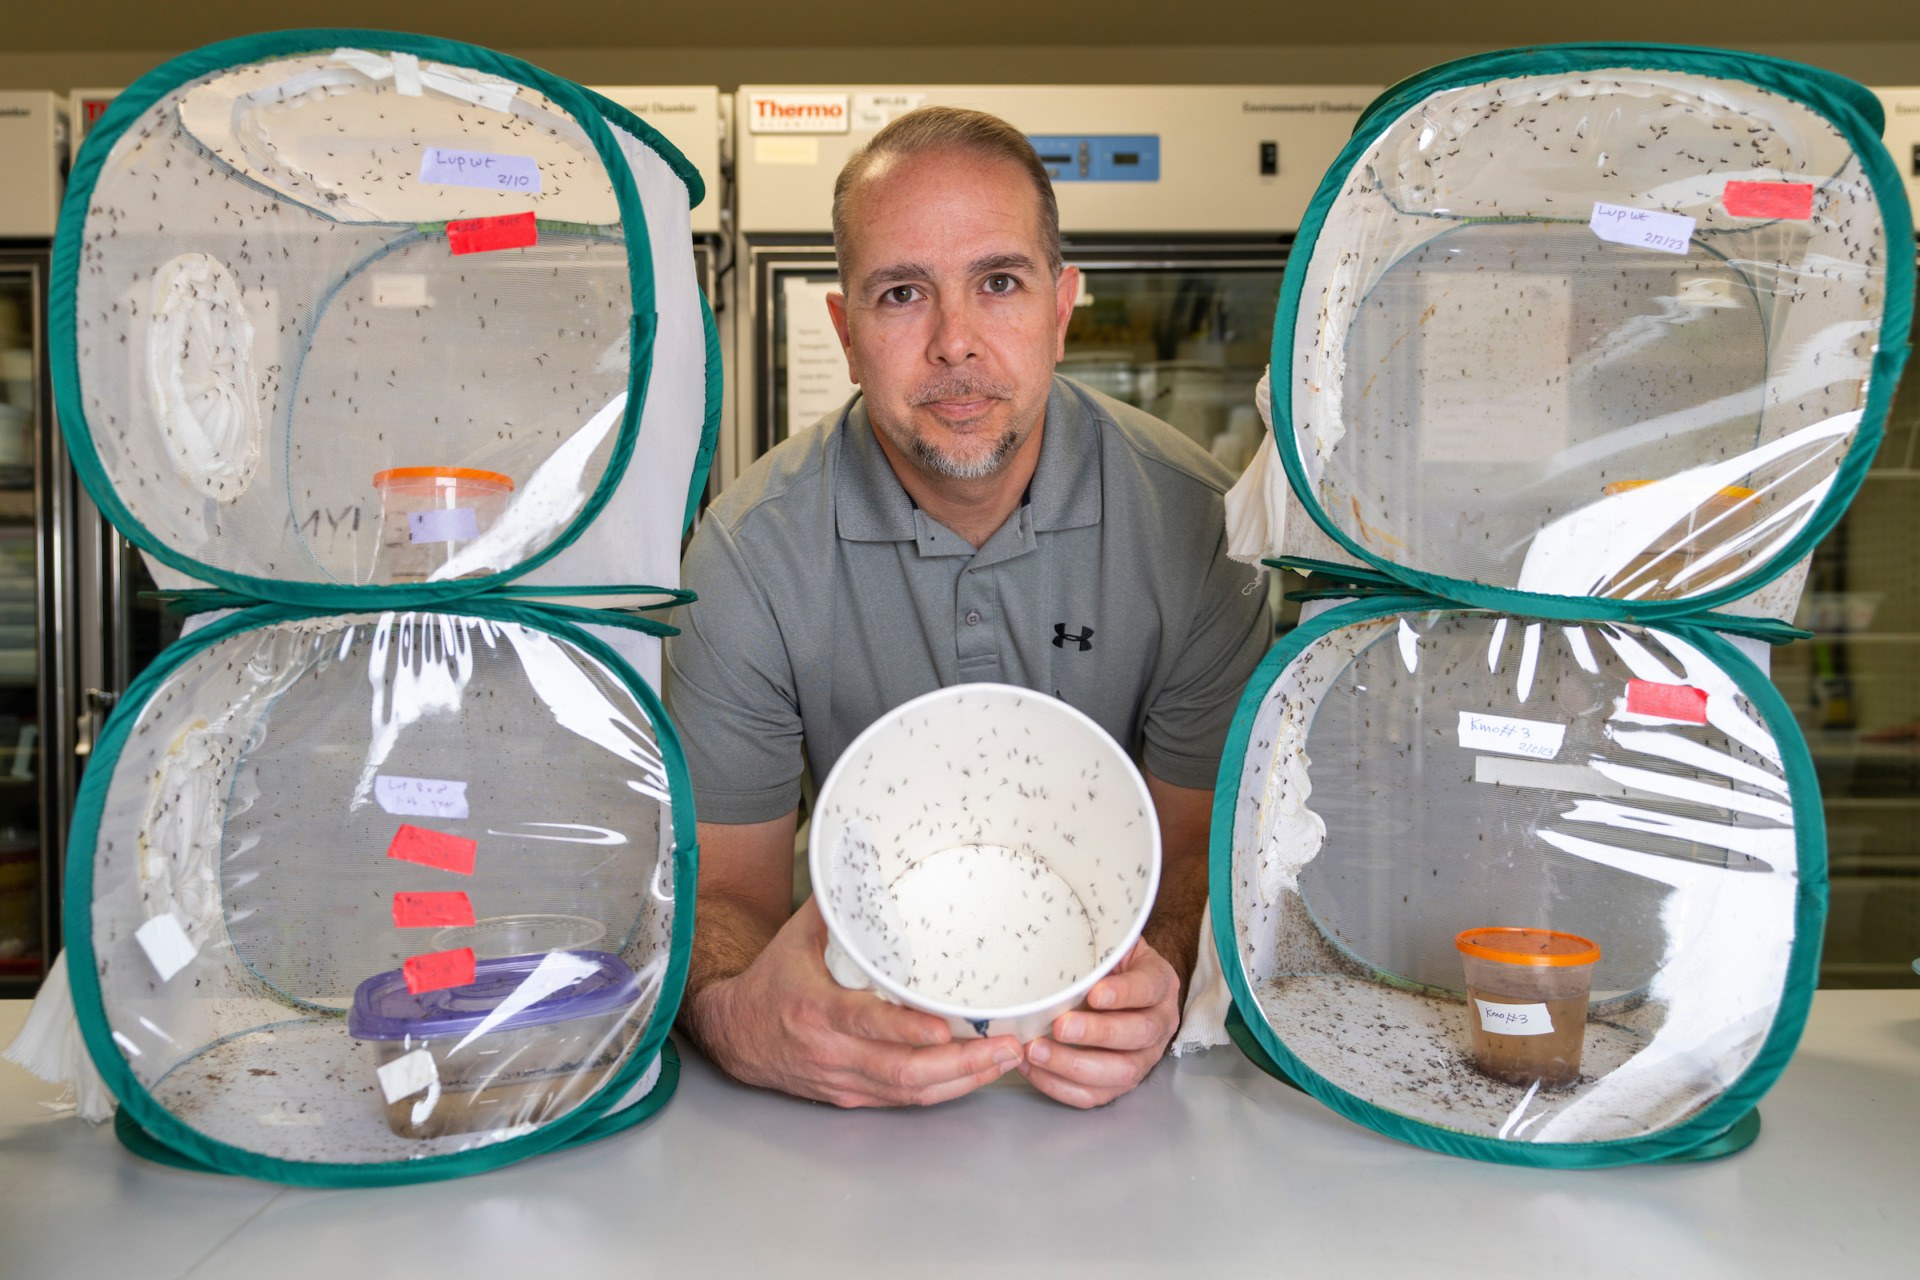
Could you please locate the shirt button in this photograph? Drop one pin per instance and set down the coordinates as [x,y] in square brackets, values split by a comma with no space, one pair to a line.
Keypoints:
[973,619]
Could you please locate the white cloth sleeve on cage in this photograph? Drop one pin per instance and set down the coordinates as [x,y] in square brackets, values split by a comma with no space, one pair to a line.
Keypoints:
[636,537]
[1257,503]
[1203,1021]
[49,1046]
[200,376]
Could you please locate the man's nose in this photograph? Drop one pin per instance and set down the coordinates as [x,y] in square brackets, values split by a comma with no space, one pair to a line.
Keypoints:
[955,337]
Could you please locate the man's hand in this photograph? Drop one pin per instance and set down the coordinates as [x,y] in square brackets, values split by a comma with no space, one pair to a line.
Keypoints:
[1098,1053]
[784,1023]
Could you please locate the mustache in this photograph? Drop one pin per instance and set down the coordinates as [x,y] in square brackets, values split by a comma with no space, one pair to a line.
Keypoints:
[960,387]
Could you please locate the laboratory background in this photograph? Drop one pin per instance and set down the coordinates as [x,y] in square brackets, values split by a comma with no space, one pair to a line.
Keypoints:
[1185,142]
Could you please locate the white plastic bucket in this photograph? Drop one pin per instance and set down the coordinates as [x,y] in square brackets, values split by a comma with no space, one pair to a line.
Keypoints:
[984,853]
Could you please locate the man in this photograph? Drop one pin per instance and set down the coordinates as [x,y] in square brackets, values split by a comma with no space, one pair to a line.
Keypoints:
[968,516]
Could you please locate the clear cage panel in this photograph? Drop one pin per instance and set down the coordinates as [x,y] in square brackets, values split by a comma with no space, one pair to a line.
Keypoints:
[1606,333]
[374,888]
[1416,776]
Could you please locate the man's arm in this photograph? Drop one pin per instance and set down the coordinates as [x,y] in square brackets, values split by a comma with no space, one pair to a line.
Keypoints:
[1186,826]
[1091,1056]
[761,1004]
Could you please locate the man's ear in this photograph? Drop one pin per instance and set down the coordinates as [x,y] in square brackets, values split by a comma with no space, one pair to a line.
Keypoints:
[837,311]
[1066,291]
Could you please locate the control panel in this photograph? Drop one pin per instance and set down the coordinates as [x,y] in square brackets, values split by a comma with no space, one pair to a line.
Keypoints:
[1096,157]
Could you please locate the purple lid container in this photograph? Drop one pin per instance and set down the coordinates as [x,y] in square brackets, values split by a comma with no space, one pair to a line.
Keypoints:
[383,1008]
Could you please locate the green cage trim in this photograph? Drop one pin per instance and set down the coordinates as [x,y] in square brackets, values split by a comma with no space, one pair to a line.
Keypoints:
[1327,580]
[710,426]
[624,118]
[1721,1118]
[127,109]
[146,1146]
[195,1149]
[1854,113]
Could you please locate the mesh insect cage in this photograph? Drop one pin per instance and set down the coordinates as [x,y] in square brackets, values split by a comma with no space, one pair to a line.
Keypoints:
[1518,854]
[393,347]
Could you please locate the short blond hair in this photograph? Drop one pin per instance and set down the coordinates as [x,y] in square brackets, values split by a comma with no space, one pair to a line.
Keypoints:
[927,129]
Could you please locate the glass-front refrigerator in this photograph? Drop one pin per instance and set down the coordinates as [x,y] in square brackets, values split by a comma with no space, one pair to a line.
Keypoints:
[1179,327]
[35,523]
[1856,690]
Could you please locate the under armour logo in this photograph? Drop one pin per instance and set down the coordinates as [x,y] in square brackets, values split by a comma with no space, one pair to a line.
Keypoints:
[1060,637]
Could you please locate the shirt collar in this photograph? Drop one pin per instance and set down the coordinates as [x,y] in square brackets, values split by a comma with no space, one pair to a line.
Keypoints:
[870,505]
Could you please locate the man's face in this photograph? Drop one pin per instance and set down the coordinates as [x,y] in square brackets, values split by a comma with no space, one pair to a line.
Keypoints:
[952,322]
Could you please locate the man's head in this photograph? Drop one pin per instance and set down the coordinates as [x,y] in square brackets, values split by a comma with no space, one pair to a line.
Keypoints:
[955,304]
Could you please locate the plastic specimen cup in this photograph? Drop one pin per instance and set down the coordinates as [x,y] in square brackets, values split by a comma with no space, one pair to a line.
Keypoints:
[1527,1002]
[426,513]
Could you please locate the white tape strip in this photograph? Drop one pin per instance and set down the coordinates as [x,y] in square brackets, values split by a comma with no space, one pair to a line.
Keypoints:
[408,1074]
[1578,779]
[406,75]
[167,945]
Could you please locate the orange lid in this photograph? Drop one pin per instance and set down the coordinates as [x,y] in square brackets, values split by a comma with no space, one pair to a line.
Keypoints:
[1623,486]
[384,478]
[1527,946]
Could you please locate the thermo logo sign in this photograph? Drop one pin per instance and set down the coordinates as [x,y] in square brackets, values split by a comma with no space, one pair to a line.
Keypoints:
[797,113]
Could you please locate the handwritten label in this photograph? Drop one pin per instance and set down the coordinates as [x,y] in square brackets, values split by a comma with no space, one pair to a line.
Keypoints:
[484,235]
[429,910]
[1792,200]
[408,1074]
[434,849]
[447,167]
[167,945]
[1514,1019]
[1535,739]
[1642,228]
[1680,702]
[443,524]
[437,970]
[420,797]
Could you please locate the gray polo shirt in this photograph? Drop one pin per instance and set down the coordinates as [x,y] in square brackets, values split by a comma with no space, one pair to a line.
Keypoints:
[827,598]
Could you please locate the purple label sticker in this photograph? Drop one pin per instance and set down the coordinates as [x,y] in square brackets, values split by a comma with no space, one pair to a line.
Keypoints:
[443,524]
[447,166]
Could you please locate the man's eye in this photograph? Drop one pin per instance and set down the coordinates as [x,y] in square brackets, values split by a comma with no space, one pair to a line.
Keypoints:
[1001,284]
[902,293]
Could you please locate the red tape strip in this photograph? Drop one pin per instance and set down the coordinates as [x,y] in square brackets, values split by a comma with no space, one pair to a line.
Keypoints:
[1768,199]
[437,970]
[483,235]
[1669,701]
[434,849]
[422,910]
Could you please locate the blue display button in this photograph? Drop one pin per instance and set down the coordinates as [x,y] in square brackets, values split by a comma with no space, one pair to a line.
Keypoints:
[1098,157]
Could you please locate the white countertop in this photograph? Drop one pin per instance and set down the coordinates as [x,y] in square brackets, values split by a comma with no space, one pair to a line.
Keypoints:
[1210,1168]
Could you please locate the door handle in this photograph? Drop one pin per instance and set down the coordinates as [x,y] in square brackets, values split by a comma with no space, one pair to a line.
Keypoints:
[94,706]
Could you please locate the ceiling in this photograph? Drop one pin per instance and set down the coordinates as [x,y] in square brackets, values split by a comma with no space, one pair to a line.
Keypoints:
[514,24]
